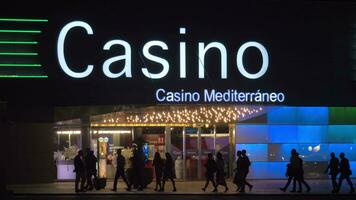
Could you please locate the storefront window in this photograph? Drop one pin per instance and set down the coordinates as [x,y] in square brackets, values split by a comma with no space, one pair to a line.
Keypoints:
[155,138]
[177,150]
[192,156]
[68,144]
[105,143]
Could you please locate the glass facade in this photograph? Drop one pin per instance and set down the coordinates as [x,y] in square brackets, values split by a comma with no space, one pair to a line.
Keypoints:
[268,136]
[314,132]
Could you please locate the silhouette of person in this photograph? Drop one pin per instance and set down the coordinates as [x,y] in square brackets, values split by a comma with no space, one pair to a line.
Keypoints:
[220,173]
[90,165]
[300,174]
[138,166]
[79,170]
[120,170]
[345,173]
[211,168]
[169,172]
[245,165]
[294,167]
[333,169]
[290,175]
[158,165]
[238,172]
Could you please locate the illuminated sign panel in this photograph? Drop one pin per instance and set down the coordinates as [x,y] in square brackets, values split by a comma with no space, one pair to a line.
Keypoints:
[161,61]
[147,54]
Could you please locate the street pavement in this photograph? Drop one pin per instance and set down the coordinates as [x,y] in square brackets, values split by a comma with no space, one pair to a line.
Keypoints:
[187,190]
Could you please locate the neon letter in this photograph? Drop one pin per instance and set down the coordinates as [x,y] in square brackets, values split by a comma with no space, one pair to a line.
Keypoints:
[203,50]
[157,59]
[157,95]
[239,58]
[126,56]
[182,57]
[60,49]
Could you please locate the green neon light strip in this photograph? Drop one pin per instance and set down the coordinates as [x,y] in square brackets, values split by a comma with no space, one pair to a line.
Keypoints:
[22,20]
[23,76]
[19,65]
[18,42]
[17,54]
[19,31]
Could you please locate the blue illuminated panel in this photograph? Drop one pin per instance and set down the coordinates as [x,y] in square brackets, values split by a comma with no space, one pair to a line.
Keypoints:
[308,152]
[267,170]
[256,152]
[348,149]
[295,134]
[305,129]
[342,133]
[281,152]
[312,134]
[282,134]
[313,115]
[353,169]
[314,152]
[298,115]
[251,134]
[282,115]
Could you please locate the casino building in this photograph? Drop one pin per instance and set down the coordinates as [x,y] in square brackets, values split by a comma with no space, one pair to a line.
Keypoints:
[266,77]
[190,132]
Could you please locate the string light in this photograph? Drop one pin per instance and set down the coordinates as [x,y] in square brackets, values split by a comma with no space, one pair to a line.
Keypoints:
[187,115]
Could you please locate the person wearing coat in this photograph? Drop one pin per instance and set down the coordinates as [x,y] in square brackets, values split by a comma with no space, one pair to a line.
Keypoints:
[169,172]
[333,169]
[245,168]
[79,169]
[210,172]
[345,173]
[120,171]
[238,172]
[220,173]
[90,164]
[158,166]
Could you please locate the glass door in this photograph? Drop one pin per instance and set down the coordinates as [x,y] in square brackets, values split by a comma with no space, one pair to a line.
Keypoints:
[191,153]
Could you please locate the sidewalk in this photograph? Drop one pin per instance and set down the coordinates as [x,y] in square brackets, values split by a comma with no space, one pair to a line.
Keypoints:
[183,187]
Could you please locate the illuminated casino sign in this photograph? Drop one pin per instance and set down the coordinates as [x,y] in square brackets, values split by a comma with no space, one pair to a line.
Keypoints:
[123,54]
[230,96]
[126,71]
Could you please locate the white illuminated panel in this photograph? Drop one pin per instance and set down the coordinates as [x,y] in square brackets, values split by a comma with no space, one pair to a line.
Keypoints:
[111,131]
[69,132]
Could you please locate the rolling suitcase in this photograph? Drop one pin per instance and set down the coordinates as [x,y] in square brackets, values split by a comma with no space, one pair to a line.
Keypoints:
[99,183]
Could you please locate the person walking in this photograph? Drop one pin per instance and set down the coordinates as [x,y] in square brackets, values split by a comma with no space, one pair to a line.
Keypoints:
[333,169]
[138,167]
[120,170]
[220,173]
[290,175]
[158,165]
[345,173]
[79,169]
[238,172]
[90,165]
[294,164]
[245,166]
[210,172]
[169,172]
[300,174]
